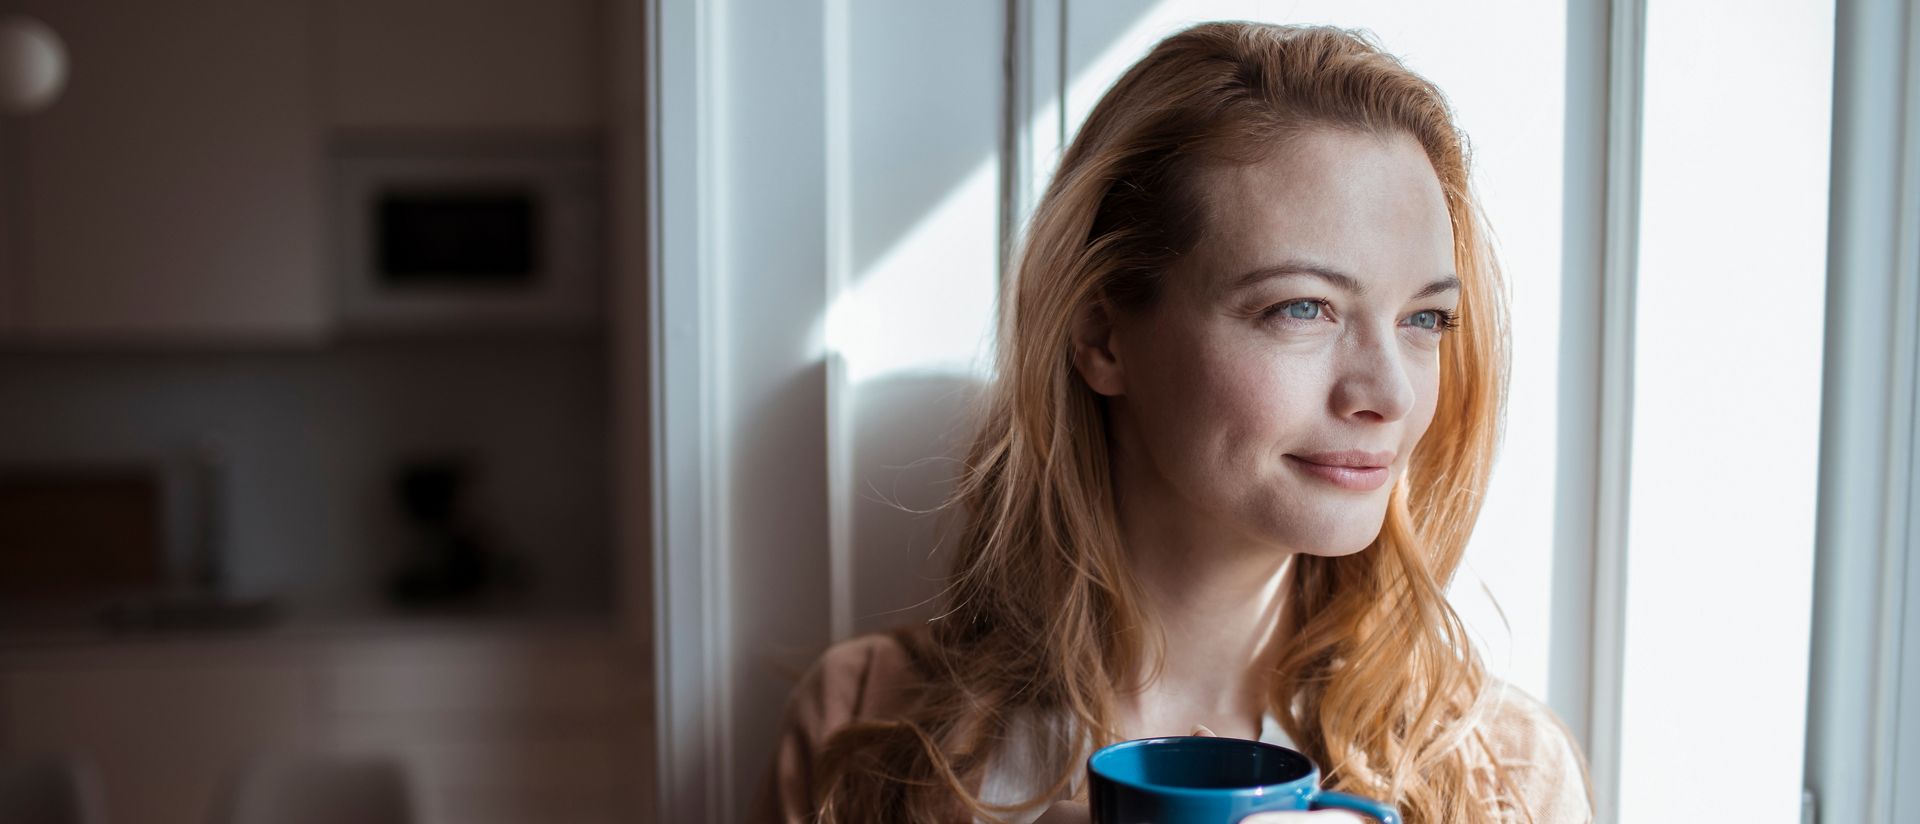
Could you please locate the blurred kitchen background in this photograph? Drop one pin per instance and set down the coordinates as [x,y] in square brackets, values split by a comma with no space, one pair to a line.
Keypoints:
[306,414]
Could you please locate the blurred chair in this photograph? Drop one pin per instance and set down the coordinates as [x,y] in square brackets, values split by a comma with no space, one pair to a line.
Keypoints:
[319,788]
[54,788]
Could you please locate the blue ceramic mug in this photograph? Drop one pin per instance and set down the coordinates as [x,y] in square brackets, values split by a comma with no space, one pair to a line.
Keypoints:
[1209,780]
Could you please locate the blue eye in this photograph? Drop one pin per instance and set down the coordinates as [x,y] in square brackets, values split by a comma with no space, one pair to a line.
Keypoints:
[1301,309]
[1432,319]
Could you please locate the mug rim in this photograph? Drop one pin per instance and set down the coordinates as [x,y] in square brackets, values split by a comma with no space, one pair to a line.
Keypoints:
[1297,785]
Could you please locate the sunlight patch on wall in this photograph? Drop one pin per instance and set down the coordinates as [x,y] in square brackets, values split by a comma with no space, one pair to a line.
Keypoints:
[927,305]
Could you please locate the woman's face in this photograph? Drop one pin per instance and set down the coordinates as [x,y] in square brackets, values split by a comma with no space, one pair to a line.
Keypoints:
[1275,389]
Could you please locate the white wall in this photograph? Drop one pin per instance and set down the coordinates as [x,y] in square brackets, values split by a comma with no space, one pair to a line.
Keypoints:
[911,323]
[856,250]
[763,288]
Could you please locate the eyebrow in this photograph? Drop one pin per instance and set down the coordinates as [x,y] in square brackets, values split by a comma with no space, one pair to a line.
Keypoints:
[1342,280]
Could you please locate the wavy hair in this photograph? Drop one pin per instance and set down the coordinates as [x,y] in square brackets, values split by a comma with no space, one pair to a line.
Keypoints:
[1376,677]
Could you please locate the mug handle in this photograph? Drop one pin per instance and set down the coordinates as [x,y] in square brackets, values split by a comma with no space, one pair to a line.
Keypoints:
[1330,800]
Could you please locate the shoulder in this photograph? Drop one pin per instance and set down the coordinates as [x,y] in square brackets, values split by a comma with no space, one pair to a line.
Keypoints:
[871,676]
[1539,754]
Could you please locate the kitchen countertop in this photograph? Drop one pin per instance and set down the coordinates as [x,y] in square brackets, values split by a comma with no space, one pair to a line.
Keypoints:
[309,628]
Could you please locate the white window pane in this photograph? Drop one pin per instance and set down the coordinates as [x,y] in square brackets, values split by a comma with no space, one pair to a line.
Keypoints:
[1728,332]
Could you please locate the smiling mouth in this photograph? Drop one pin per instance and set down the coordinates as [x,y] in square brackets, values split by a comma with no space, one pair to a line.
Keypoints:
[1357,471]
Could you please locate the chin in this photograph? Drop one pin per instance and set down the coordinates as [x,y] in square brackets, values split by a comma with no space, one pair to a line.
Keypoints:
[1310,522]
[1339,550]
[1337,538]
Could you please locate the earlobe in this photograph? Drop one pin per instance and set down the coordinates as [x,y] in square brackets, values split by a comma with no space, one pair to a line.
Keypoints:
[1094,355]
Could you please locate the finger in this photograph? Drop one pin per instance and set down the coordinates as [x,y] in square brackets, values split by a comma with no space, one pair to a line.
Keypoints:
[1315,817]
[1201,729]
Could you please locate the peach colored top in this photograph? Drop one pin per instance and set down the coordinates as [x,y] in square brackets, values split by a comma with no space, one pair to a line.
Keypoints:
[865,678]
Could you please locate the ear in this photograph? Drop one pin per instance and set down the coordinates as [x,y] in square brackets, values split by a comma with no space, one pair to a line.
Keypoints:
[1095,356]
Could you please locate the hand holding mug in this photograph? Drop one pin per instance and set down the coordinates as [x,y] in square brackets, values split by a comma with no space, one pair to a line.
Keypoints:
[1210,780]
[1074,812]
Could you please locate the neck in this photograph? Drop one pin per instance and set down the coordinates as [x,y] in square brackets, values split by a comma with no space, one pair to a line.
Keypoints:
[1215,598]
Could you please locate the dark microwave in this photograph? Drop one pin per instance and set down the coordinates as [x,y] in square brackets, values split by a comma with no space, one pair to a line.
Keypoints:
[451,235]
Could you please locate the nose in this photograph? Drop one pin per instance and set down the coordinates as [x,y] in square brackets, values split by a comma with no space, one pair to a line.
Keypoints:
[1371,382]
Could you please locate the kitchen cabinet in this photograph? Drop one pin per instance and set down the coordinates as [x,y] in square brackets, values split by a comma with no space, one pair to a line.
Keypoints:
[456,66]
[179,189]
[173,191]
[530,726]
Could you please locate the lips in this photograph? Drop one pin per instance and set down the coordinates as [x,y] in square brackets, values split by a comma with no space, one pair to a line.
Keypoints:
[1351,469]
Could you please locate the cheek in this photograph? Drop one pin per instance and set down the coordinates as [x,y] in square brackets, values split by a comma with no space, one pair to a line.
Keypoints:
[1248,404]
[1267,392]
[1426,393]
[1203,402]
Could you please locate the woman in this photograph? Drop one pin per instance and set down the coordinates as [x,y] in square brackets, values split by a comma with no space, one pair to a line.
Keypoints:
[1248,397]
